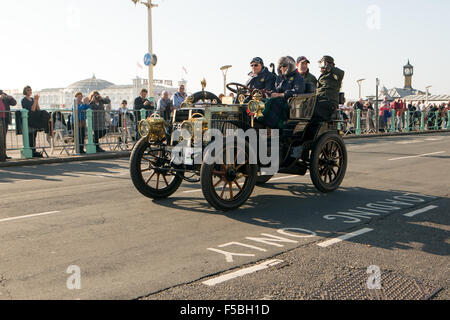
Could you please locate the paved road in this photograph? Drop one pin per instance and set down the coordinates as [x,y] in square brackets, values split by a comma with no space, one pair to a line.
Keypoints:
[126,246]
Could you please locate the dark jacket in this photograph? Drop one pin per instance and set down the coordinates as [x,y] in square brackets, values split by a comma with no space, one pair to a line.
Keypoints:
[265,80]
[311,80]
[139,105]
[290,85]
[329,85]
[99,114]
[9,102]
[358,106]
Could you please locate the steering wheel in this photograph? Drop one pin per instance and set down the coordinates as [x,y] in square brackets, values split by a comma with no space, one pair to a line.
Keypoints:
[238,88]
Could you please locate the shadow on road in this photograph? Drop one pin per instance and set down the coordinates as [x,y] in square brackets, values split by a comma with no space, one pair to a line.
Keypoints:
[328,215]
[56,172]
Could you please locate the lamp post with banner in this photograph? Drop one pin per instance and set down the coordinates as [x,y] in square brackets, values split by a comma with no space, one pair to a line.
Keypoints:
[224,70]
[150,5]
[360,81]
[428,94]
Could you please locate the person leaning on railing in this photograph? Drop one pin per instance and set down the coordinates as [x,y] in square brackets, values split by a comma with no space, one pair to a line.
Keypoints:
[5,114]
[37,119]
[83,105]
[97,104]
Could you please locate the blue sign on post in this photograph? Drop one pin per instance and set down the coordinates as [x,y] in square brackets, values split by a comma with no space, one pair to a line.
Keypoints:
[148,59]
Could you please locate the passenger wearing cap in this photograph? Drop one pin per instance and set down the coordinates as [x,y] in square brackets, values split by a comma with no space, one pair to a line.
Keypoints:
[329,86]
[303,69]
[289,83]
[260,77]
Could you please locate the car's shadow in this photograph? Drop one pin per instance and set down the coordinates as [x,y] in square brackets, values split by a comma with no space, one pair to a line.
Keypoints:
[301,204]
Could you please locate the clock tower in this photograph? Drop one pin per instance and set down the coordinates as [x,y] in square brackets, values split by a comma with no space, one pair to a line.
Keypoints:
[408,72]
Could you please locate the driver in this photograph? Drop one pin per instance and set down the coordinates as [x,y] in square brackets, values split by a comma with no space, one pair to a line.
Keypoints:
[260,77]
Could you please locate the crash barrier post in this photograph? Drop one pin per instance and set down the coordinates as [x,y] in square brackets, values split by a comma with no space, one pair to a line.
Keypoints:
[26,152]
[448,120]
[76,126]
[422,121]
[407,121]
[2,141]
[436,120]
[143,114]
[393,120]
[90,147]
[358,122]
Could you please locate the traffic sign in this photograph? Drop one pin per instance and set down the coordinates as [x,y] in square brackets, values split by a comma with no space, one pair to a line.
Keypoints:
[148,59]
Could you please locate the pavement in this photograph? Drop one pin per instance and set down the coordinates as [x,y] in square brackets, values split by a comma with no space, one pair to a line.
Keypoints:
[392,211]
[62,158]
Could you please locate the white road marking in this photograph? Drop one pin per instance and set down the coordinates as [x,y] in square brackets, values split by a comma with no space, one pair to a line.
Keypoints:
[344,237]
[433,139]
[192,191]
[282,178]
[418,156]
[29,216]
[242,272]
[414,213]
[409,142]
[273,179]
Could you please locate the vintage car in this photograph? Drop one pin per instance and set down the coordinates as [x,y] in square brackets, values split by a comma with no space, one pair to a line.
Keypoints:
[227,185]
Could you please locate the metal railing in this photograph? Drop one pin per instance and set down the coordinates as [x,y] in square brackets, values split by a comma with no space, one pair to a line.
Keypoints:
[362,122]
[67,135]
[92,131]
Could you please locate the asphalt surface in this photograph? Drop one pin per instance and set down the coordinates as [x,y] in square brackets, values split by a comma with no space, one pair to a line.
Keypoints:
[88,215]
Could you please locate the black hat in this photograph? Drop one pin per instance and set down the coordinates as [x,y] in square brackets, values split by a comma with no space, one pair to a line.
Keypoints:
[327,59]
[302,58]
[257,60]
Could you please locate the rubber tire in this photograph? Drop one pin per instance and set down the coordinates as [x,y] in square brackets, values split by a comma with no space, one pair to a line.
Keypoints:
[138,180]
[261,180]
[314,166]
[211,196]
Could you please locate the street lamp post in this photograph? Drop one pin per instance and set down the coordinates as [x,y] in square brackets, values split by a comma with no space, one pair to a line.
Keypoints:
[428,93]
[224,70]
[150,6]
[377,124]
[360,81]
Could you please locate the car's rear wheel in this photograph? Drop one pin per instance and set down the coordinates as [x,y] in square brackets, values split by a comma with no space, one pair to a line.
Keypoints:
[228,186]
[150,171]
[328,162]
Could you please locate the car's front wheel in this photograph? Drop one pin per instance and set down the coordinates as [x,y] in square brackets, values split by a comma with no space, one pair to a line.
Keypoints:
[228,186]
[150,171]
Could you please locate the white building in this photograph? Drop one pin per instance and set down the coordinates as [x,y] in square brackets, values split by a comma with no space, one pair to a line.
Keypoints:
[55,98]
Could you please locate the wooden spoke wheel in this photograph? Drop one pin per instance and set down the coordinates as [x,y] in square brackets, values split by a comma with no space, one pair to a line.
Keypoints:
[328,162]
[150,170]
[228,186]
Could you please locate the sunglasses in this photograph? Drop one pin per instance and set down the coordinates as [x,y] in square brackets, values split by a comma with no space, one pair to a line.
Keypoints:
[254,65]
[283,66]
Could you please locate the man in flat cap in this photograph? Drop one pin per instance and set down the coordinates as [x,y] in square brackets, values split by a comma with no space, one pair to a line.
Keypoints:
[303,69]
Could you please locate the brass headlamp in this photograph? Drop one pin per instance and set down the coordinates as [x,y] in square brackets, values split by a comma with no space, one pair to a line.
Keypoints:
[196,126]
[256,106]
[154,128]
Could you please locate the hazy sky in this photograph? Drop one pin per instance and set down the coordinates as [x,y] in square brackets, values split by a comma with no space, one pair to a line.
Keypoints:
[53,43]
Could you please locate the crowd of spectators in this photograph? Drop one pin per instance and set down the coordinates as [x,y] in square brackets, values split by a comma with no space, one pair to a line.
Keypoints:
[390,113]
[393,113]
